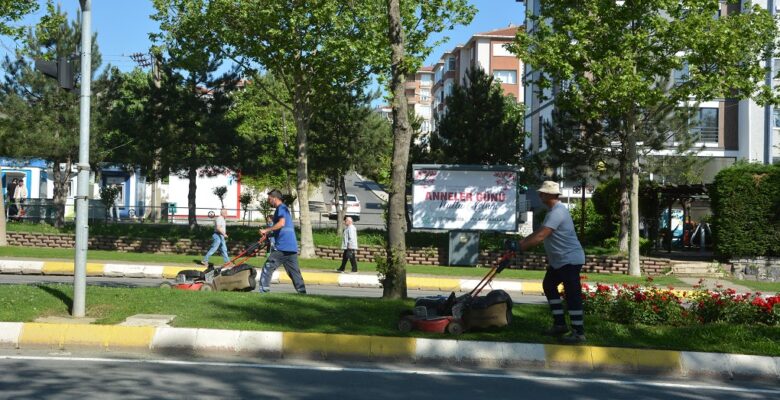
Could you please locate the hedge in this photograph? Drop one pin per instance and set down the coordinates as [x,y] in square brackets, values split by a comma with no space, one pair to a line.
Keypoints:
[745,201]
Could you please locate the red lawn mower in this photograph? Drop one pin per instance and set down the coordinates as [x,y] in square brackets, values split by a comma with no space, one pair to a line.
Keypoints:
[233,275]
[456,314]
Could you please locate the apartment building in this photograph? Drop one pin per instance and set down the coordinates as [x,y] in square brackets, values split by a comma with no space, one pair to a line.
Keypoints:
[428,88]
[728,129]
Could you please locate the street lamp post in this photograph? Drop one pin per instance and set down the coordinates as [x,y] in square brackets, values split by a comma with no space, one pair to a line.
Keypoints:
[82,198]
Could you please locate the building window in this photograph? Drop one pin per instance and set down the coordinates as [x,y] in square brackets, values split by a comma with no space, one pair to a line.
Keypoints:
[681,75]
[776,113]
[541,134]
[425,94]
[499,49]
[505,76]
[426,79]
[704,125]
[451,64]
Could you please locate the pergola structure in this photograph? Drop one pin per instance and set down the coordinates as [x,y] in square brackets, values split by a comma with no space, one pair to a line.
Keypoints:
[684,194]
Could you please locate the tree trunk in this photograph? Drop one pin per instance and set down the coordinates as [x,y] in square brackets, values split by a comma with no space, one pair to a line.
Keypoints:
[583,216]
[340,191]
[61,180]
[394,281]
[301,111]
[625,212]
[3,231]
[192,176]
[633,253]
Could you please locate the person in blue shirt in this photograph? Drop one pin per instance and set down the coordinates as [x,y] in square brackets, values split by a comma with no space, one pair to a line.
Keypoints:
[285,249]
[565,258]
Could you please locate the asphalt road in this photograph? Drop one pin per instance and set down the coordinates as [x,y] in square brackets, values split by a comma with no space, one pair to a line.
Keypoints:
[371,215]
[85,376]
[325,290]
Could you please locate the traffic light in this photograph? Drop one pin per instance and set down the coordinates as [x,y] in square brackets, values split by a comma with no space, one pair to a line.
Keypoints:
[61,70]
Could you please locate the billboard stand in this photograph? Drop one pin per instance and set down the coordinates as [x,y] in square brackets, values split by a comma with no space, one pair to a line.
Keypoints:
[464,248]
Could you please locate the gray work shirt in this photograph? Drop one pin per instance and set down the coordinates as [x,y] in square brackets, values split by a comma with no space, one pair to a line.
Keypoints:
[562,246]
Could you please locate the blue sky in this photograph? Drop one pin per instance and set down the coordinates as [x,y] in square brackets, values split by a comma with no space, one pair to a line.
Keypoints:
[123,26]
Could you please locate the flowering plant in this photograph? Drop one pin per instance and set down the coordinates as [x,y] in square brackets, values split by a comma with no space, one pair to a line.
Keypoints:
[651,305]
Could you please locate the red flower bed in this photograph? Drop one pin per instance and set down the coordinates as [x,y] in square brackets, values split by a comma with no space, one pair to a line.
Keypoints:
[651,305]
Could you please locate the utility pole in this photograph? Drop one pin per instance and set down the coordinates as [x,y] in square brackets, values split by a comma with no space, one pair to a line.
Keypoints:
[82,198]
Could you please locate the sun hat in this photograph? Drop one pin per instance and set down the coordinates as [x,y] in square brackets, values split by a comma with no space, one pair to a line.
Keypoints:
[550,187]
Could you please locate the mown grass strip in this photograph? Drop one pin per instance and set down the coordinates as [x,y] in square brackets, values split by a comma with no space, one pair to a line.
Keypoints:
[359,316]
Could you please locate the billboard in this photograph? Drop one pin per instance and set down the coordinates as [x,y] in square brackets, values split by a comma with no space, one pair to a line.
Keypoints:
[464,197]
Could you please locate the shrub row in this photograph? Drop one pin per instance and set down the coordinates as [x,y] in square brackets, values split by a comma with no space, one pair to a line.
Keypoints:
[745,203]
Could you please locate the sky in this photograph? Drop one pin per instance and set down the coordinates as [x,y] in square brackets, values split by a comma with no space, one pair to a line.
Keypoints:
[123,26]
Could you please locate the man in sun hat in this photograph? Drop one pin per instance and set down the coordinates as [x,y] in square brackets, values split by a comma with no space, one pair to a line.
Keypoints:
[565,258]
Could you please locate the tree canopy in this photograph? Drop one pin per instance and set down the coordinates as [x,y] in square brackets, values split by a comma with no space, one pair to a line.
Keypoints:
[613,60]
[482,125]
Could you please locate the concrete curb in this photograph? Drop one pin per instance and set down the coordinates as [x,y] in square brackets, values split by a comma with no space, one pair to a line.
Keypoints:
[119,270]
[339,346]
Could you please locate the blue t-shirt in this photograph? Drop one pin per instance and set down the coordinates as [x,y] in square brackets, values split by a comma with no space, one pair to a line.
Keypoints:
[285,238]
[562,246]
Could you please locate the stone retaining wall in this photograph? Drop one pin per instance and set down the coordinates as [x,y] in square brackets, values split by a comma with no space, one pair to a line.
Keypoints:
[765,269]
[415,256]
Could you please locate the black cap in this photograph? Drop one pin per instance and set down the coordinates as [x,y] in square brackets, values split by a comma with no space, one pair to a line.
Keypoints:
[275,193]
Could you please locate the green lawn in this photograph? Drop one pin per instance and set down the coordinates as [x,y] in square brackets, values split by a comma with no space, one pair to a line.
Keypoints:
[315,264]
[766,287]
[289,312]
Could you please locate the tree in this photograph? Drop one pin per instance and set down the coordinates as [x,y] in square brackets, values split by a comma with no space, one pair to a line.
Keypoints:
[12,11]
[347,135]
[307,44]
[267,153]
[408,26]
[220,192]
[46,117]
[481,125]
[610,60]
[177,125]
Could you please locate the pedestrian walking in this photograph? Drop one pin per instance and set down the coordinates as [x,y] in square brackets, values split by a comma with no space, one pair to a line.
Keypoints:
[218,239]
[10,191]
[349,244]
[565,258]
[285,249]
[20,196]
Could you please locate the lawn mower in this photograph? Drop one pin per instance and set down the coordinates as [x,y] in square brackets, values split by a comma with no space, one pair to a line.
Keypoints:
[233,275]
[456,314]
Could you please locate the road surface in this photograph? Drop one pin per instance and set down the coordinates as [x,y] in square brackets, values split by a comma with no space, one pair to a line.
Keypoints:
[85,376]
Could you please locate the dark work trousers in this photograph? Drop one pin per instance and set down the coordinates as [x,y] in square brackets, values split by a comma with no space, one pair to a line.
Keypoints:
[289,260]
[569,275]
[349,254]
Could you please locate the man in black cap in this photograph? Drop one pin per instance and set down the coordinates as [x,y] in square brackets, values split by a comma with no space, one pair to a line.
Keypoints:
[285,249]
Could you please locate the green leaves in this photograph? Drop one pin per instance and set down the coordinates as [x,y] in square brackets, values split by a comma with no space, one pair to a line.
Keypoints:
[481,125]
[12,11]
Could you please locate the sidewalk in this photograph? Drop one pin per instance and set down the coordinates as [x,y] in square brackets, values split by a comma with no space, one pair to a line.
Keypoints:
[163,339]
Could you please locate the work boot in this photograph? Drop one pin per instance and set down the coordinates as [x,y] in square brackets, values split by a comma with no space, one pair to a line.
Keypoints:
[556,330]
[573,338]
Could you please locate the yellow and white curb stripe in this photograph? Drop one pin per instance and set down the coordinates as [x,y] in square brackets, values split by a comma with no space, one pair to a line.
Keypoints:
[118,270]
[333,346]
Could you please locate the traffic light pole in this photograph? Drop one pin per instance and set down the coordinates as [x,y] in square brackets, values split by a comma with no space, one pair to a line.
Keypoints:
[82,202]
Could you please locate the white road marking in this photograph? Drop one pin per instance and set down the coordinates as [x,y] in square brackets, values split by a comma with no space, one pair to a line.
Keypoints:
[509,375]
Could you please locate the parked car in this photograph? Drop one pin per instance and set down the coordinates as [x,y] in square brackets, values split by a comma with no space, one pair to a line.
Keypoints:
[353,207]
